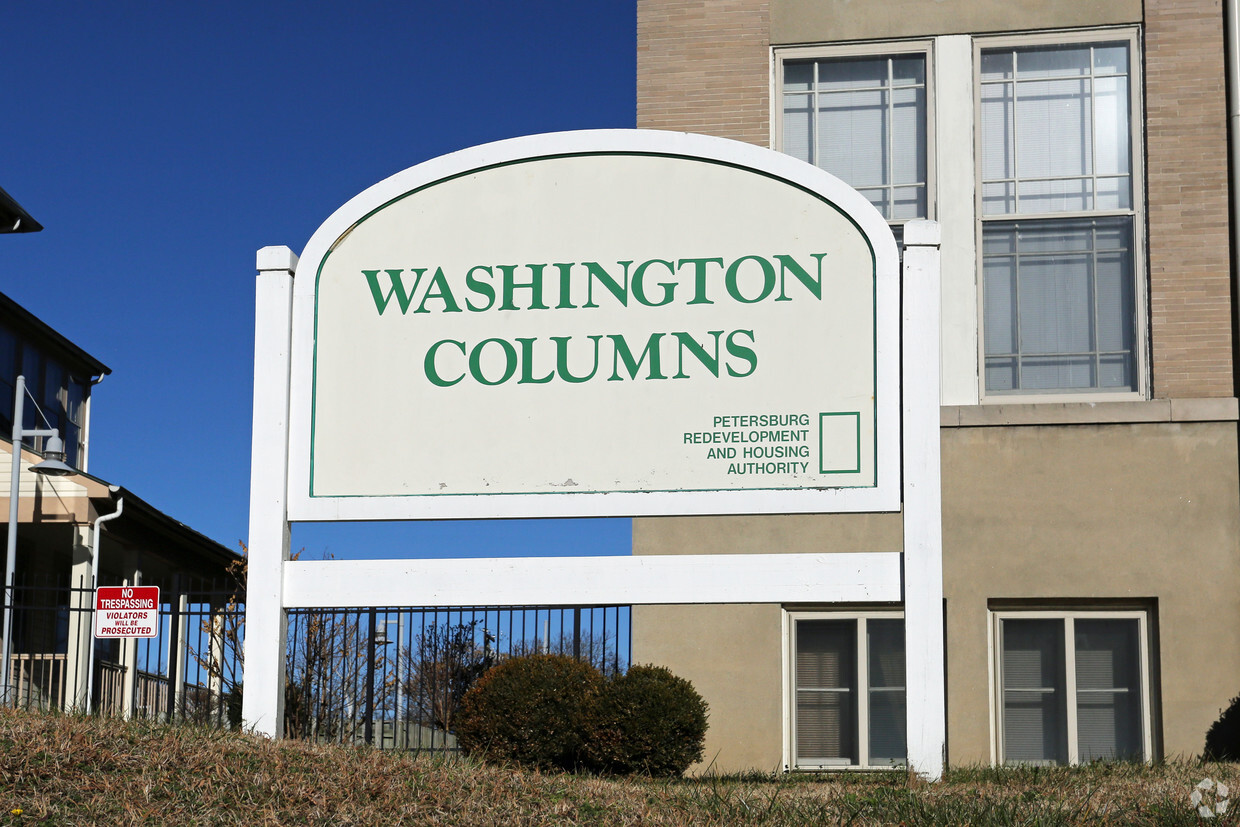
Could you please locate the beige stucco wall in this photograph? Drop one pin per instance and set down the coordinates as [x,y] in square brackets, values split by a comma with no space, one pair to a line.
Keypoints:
[785,533]
[1147,513]
[733,656]
[824,21]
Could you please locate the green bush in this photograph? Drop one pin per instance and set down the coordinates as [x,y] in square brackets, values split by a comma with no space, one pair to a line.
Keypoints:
[1223,736]
[534,710]
[647,721]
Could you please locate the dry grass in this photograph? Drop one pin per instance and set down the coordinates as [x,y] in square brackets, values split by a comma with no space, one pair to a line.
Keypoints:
[76,770]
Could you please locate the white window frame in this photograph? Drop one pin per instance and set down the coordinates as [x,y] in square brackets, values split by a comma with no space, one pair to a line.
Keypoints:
[1069,617]
[859,617]
[1136,122]
[925,48]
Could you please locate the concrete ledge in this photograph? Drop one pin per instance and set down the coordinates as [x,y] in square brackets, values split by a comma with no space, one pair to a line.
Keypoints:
[1221,409]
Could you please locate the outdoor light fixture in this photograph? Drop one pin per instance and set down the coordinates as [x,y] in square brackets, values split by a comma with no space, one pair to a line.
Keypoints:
[53,465]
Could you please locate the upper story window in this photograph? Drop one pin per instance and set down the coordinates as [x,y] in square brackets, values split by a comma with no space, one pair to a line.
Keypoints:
[863,118]
[1051,215]
[1059,213]
[8,365]
[60,396]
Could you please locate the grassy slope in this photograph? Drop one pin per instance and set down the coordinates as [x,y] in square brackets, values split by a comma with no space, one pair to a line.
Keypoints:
[74,770]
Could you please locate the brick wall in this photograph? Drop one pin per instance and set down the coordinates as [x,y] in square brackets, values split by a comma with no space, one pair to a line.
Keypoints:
[1189,268]
[703,66]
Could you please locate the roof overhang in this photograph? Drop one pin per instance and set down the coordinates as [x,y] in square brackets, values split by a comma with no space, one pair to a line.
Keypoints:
[14,219]
[30,326]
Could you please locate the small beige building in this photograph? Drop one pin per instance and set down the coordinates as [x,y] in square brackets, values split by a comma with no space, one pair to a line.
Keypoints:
[1075,155]
[64,521]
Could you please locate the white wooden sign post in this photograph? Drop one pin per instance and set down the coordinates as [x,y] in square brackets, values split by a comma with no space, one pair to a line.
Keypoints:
[607,323]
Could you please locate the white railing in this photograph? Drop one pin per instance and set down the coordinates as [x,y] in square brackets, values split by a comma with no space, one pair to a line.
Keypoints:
[37,680]
[151,693]
[110,688]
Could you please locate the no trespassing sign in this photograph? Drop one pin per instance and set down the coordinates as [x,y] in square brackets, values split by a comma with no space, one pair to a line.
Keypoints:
[126,611]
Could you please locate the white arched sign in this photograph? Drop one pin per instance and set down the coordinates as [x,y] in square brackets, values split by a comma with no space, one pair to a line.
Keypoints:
[604,323]
[597,323]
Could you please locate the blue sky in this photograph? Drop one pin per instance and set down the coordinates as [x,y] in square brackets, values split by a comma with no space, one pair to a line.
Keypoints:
[162,144]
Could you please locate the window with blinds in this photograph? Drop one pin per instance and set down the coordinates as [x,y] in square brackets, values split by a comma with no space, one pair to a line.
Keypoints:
[1108,689]
[1059,213]
[1034,717]
[864,119]
[1072,688]
[848,691]
[1055,210]
[826,688]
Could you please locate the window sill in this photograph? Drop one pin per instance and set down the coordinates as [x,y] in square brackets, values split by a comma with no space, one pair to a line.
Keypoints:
[831,768]
[1217,409]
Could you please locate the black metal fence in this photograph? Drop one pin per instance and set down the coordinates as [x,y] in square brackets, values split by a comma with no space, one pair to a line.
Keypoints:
[394,677]
[181,674]
[390,677]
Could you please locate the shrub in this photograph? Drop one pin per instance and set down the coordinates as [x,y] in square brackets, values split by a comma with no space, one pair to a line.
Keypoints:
[647,721]
[232,705]
[1223,736]
[534,710]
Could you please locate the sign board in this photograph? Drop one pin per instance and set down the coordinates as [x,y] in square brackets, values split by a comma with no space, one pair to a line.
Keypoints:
[610,323]
[126,611]
[597,323]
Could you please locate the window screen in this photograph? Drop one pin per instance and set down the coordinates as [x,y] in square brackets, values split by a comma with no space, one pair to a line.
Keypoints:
[1059,305]
[1059,301]
[1034,718]
[849,693]
[1108,689]
[1072,689]
[826,691]
[888,718]
[863,120]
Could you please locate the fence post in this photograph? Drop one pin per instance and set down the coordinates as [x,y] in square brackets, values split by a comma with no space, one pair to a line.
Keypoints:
[369,729]
[129,660]
[398,714]
[9,679]
[215,660]
[174,636]
[81,623]
[577,633]
[182,644]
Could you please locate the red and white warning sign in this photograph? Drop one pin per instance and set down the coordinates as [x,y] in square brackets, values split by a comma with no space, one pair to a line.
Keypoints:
[127,611]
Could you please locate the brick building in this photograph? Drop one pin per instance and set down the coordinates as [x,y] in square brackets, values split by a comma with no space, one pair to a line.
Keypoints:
[1076,157]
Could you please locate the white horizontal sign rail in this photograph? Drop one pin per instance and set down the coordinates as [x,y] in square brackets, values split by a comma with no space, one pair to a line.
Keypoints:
[528,581]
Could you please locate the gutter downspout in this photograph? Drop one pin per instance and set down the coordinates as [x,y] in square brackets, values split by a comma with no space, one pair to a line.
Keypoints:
[84,459]
[1231,37]
[94,584]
